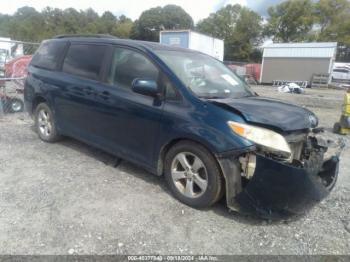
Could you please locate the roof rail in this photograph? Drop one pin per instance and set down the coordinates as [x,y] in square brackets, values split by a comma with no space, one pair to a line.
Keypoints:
[84,35]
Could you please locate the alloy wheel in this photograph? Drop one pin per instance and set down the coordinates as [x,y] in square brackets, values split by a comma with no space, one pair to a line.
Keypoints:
[44,123]
[189,175]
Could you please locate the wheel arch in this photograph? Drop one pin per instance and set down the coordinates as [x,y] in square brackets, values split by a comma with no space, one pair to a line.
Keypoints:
[36,101]
[171,143]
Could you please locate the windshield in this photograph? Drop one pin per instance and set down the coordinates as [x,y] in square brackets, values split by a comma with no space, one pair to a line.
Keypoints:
[204,75]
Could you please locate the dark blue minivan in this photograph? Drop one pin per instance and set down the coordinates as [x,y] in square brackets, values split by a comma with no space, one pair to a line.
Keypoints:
[183,114]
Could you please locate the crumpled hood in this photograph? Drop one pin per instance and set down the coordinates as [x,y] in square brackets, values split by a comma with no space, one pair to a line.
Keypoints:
[270,112]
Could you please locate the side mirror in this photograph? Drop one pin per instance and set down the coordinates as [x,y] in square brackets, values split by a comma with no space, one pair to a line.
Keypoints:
[146,87]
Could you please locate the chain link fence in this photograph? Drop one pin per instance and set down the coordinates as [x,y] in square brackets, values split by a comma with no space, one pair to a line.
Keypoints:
[14,59]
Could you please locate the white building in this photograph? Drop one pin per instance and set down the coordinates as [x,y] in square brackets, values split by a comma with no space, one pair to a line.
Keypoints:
[297,61]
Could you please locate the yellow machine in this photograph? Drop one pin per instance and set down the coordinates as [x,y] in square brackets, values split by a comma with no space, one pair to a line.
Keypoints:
[343,126]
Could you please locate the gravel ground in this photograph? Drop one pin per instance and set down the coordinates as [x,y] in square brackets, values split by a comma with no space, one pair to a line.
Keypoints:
[67,198]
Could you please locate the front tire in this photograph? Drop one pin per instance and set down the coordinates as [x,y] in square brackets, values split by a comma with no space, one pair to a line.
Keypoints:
[45,124]
[193,175]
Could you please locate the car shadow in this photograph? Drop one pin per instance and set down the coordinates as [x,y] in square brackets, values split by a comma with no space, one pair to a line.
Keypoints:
[115,162]
[219,208]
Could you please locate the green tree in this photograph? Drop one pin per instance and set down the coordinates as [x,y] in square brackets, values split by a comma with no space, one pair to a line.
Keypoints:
[332,19]
[174,17]
[53,20]
[240,28]
[123,27]
[246,37]
[107,23]
[222,23]
[148,25]
[89,21]
[90,15]
[328,13]
[4,25]
[26,24]
[72,22]
[290,21]
[153,20]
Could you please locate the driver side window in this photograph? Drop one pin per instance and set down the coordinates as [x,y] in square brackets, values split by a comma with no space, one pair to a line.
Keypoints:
[128,65]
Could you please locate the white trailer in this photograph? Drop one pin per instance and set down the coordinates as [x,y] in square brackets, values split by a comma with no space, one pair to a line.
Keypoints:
[5,50]
[5,44]
[194,40]
[10,49]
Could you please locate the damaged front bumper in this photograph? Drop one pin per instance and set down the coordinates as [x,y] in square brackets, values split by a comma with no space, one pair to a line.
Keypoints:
[278,189]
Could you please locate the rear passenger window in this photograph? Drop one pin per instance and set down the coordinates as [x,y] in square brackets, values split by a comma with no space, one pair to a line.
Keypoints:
[128,65]
[48,54]
[84,60]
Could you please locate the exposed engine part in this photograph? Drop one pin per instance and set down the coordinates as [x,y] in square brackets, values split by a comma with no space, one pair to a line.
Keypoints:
[302,144]
[308,151]
[248,165]
[330,142]
[313,154]
[296,149]
[296,137]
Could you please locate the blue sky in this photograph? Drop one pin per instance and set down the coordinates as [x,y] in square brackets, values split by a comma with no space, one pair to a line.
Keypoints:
[198,9]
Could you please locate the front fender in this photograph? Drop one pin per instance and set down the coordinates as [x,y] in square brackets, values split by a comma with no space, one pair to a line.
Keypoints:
[202,123]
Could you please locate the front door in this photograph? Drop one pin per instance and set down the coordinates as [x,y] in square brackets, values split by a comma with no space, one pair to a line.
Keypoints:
[134,119]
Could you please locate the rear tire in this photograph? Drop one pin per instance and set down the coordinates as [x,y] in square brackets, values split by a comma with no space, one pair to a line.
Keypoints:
[45,124]
[193,175]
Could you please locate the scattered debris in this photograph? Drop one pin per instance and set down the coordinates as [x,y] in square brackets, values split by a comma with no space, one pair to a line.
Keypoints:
[291,88]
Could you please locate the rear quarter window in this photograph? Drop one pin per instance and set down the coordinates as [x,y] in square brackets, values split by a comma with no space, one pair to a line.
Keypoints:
[48,55]
[84,60]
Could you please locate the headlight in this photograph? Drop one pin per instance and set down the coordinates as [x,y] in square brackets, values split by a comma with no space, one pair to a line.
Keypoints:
[261,136]
[313,120]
